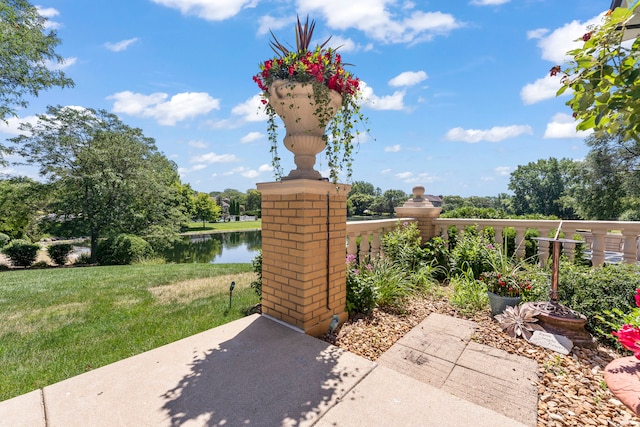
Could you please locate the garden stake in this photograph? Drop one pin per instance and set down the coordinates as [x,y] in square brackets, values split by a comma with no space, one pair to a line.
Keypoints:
[233,285]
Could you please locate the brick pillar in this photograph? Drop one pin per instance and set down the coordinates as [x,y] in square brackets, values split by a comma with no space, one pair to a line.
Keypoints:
[304,228]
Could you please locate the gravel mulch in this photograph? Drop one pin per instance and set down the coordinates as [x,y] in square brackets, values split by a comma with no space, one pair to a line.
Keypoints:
[571,388]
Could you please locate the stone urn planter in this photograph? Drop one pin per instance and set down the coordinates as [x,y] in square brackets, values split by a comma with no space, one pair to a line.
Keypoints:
[499,303]
[305,121]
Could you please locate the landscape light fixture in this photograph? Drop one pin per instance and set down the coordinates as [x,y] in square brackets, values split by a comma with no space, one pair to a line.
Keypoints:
[631,28]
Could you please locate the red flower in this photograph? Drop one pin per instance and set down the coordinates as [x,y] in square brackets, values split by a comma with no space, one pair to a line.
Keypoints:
[637,296]
[587,36]
[555,70]
[629,337]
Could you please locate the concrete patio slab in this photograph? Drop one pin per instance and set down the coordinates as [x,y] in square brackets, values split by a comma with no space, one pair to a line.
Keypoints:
[26,410]
[387,398]
[417,364]
[253,371]
[439,352]
[259,372]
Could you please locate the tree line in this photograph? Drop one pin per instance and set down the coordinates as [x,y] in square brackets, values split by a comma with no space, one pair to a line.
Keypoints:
[102,178]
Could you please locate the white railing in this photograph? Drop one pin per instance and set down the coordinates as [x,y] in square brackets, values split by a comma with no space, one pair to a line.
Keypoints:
[604,240]
[611,241]
[365,237]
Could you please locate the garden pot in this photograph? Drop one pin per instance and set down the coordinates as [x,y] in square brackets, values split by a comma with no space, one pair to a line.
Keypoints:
[499,303]
[295,105]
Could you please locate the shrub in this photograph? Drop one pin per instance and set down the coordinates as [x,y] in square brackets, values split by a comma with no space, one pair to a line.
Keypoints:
[595,291]
[40,264]
[123,249]
[399,242]
[21,253]
[362,295]
[256,265]
[469,294]
[392,283]
[83,259]
[4,239]
[59,253]
[436,255]
[471,252]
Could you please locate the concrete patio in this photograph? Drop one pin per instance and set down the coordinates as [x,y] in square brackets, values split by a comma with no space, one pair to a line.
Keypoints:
[259,372]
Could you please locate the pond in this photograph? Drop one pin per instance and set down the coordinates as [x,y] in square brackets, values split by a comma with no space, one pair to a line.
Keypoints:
[217,248]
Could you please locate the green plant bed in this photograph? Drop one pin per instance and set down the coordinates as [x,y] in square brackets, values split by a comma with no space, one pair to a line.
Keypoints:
[59,323]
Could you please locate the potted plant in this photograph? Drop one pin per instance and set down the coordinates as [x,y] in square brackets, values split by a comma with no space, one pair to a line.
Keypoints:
[317,99]
[505,284]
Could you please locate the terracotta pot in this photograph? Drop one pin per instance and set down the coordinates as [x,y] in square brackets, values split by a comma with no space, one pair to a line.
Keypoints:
[295,105]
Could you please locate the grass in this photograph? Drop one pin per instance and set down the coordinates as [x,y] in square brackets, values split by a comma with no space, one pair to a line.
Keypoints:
[196,227]
[58,323]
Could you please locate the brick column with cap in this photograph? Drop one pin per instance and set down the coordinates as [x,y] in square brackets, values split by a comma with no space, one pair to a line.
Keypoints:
[304,227]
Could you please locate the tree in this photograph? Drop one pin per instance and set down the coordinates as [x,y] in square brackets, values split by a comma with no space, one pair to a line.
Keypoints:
[539,187]
[604,75]
[599,189]
[254,201]
[362,187]
[393,198]
[25,47]
[360,202]
[108,176]
[205,208]
[22,200]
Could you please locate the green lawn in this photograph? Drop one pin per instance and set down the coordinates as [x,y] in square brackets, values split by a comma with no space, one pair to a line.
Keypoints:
[58,323]
[196,227]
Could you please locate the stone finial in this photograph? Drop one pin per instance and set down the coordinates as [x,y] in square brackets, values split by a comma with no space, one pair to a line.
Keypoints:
[418,192]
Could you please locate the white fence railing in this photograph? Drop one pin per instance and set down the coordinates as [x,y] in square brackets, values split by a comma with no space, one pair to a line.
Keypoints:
[611,241]
[364,237]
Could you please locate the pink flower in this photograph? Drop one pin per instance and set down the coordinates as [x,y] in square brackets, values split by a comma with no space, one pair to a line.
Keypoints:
[637,296]
[351,258]
[629,338]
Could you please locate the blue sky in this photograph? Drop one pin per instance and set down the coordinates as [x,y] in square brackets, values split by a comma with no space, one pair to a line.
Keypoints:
[458,92]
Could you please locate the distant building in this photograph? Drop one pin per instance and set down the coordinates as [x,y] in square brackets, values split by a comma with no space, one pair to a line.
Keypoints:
[436,201]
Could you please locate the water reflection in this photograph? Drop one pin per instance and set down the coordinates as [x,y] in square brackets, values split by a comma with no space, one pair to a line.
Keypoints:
[219,248]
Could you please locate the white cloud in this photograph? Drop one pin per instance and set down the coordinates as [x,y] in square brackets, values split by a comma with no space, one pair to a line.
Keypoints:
[387,102]
[13,123]
[197,144]
[503,170]
[252,173]
[214,158]
[541,89]
[538,33]
[495,134]
[66,63]
[385,171]
[488,2]
[408,78]
[556,44]
[382,19]
[48,13]
[251,137]
[194,168]
[564,126]
[121,45]
[217,10]
[265,168]
[269,23]
[252,110]
[421,178]
[180,107]
[392,148]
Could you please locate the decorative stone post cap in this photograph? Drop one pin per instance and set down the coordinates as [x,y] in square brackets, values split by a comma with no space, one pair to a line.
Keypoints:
[418,192]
